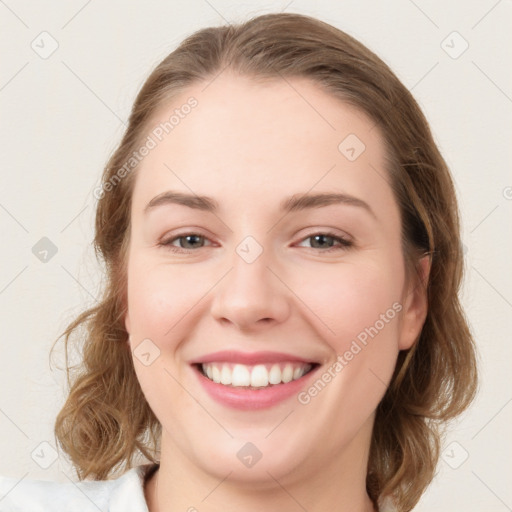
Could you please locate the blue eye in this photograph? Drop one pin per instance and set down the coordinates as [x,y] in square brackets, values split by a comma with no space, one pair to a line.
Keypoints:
[189,242]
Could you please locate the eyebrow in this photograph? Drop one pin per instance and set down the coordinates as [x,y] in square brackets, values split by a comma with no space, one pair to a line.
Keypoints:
[294,203]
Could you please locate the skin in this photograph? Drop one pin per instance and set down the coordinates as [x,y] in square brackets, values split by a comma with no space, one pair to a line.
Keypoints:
[250,145]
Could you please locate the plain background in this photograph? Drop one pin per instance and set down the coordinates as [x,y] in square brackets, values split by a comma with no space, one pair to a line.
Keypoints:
[63,115]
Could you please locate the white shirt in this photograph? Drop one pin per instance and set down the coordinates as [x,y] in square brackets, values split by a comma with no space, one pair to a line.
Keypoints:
[124,494]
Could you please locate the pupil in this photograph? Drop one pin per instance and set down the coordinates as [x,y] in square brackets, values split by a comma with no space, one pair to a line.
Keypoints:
[321,237]
[193,237]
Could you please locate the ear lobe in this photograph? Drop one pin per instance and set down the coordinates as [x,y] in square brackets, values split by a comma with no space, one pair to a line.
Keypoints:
[415,304]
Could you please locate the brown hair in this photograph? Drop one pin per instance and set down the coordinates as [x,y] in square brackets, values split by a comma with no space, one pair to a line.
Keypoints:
[106,420]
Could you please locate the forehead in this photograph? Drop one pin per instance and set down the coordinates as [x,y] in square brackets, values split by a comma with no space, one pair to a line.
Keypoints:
[247,139]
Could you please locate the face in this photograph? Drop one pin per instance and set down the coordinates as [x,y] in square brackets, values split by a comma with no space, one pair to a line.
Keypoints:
[257,315]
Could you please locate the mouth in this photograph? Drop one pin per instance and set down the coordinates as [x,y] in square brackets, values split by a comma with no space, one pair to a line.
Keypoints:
[257,376]
[252,381]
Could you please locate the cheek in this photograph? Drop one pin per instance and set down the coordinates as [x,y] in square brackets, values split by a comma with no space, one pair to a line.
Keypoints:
[342,301]
[160,297]
[361,306]
[351,300]
[161,301]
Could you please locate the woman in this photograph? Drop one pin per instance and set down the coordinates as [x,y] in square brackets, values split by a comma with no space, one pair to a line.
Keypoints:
[280,327]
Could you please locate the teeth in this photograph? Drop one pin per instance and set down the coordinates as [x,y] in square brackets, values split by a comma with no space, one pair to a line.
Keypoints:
[287,375]
[215,374]
[240,376]
[258,376]
[225,375]
[274,376]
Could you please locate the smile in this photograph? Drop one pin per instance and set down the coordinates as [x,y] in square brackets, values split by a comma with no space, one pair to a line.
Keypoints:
[254,376]
[252,381]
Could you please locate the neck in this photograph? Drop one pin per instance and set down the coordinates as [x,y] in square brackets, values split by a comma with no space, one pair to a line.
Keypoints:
[337,485]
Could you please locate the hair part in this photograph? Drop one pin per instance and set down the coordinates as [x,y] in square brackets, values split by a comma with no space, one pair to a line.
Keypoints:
[106,420]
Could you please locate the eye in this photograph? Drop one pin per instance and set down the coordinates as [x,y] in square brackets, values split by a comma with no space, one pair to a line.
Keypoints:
[322,241]
[191,242]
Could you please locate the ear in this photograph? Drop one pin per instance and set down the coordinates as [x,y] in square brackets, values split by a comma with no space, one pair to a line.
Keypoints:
[127,326]
[415,304]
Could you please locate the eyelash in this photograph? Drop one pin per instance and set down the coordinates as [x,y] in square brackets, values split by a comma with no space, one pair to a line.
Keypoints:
[344,243]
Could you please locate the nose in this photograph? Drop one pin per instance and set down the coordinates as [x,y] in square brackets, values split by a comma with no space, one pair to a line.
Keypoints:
[251,296]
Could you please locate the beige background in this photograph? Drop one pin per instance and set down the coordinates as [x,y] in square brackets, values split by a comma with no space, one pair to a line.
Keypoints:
[62,114]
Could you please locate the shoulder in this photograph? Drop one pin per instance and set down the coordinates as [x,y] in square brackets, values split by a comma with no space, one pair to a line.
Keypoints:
[124,494]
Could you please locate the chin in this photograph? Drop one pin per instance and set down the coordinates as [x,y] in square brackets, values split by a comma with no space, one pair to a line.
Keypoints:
[257,463]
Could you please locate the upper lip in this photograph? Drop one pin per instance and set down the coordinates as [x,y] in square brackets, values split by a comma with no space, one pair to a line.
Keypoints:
[249,358]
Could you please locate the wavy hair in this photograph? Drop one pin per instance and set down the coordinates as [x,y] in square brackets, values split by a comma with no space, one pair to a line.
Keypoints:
[106,421]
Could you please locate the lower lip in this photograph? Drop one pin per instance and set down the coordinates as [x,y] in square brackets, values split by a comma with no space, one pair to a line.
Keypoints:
[250,399]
